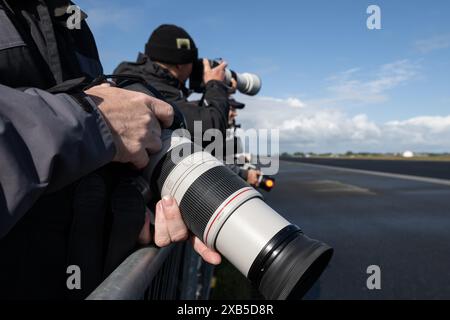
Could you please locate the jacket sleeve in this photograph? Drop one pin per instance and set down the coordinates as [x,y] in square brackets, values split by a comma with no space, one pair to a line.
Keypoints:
[215,99]
[46,142]
[212,110]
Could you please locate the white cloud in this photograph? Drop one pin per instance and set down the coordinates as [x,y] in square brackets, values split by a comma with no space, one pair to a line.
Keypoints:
[321,125]
[425,131]
[434,125]
[291,102]
[432,44]
[348,87]
[332,130]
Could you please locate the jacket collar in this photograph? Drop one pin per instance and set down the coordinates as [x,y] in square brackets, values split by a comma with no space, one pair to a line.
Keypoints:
[161,73]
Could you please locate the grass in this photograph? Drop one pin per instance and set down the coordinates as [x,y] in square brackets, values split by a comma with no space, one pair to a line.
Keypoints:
[230,284]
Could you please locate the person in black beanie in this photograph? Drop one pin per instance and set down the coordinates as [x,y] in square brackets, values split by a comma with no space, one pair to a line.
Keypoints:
[167,64]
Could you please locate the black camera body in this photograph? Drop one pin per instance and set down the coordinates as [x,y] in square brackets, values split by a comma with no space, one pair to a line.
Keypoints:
[196,83]
[247,83]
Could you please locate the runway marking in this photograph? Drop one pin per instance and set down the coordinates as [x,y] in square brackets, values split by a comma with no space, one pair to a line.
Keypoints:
[443,182]
[333,186]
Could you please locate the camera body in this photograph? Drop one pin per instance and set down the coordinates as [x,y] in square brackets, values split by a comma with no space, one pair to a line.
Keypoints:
[247,83]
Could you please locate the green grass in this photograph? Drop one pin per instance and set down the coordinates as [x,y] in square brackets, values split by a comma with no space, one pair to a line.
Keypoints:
[230,284]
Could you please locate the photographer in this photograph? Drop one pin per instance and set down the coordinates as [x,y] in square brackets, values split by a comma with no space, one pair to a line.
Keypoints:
[55,143]
[167,64]
[233,143]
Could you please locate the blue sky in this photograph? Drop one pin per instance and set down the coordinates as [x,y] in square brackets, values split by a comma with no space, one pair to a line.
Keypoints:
[329,83]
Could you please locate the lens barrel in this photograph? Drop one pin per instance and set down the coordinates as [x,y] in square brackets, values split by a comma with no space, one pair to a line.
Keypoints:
[231,217]
[248,83]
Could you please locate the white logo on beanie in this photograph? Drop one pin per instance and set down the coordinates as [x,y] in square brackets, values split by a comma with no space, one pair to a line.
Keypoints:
[183,43]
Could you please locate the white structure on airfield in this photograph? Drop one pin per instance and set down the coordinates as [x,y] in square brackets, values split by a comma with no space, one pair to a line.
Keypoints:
[408,154]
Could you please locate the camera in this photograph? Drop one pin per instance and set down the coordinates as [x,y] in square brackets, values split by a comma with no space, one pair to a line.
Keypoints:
[247,83]
[266,183]
[230,216]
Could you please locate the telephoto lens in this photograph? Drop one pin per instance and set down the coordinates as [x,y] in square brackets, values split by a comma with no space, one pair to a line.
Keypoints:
[228,214]
[247,83]
[232,218]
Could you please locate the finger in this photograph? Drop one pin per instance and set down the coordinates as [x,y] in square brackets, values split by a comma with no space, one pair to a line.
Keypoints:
[209,255]
[152,125]
[140,160]
[163,111]
[152,138]
[107,84]
[233,83]
[153,145]
[175,224]
[162,237]
[222,65]
[206,65]
[145,236]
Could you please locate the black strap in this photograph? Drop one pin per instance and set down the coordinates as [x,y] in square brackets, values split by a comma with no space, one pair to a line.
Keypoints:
[48,32]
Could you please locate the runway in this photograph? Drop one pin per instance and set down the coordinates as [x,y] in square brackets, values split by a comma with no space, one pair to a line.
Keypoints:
[398,222]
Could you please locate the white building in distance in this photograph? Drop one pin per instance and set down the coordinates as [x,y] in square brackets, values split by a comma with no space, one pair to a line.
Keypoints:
[408,154]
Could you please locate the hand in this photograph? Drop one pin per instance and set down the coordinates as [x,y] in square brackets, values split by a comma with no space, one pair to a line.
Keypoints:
[253,177]
[135,121]
[217,73]
[170,227]
[233,86]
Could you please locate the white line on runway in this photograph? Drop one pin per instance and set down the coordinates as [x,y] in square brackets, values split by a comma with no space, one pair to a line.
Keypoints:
[443,182]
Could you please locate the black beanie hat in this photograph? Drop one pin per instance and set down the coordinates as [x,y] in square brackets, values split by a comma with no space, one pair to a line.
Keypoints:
[171,44]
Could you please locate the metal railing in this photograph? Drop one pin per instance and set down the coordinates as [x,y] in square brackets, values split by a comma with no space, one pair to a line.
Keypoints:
[174,272]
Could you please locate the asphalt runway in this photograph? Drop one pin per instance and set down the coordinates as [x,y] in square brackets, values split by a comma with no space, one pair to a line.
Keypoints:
[399,223]
[432,169]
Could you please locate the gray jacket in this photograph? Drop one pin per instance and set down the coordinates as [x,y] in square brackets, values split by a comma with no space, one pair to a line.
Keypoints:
[46,142]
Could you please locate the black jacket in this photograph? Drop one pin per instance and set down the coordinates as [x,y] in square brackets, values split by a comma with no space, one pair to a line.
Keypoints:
[47,143]
[212,110]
